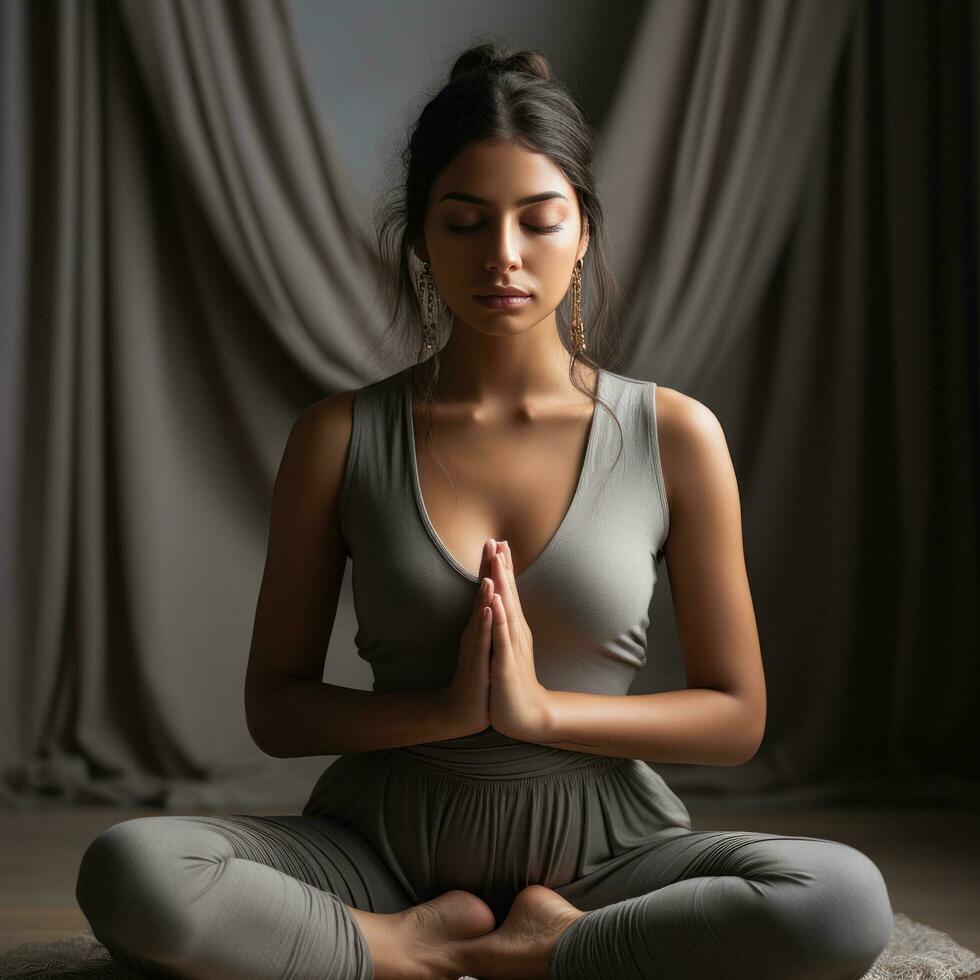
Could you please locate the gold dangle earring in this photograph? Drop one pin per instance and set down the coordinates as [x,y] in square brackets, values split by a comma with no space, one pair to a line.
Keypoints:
[427,296]
[578,330]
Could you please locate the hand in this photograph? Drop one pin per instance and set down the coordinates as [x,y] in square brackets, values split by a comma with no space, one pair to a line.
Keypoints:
[468,695]
[518,703]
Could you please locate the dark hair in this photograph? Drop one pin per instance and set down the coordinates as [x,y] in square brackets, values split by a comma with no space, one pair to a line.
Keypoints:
[493,96]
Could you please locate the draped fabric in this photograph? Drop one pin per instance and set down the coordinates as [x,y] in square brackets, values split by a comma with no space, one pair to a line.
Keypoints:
[792,204]
[183,272]
[804,261]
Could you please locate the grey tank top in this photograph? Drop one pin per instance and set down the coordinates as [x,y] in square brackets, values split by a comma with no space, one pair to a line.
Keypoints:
[586,596]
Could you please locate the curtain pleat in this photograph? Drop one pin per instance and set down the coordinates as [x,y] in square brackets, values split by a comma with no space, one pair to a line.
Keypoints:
[186,265]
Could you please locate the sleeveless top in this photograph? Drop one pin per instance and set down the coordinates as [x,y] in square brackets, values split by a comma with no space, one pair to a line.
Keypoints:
[586,596]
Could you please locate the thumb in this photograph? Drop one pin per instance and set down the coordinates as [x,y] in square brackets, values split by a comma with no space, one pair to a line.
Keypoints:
[483,597]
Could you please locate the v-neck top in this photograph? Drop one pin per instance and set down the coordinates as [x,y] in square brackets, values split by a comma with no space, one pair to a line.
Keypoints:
[412,456]
[586,596]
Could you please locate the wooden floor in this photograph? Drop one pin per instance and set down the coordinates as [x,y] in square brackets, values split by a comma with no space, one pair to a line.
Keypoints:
[930,859]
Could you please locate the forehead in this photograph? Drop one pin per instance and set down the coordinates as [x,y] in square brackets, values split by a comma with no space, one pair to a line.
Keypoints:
[501,173]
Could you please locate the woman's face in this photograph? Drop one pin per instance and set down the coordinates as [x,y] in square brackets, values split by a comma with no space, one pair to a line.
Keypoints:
[478,234]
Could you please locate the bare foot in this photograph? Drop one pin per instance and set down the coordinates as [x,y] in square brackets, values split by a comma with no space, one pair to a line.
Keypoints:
[417,943]
[521,947]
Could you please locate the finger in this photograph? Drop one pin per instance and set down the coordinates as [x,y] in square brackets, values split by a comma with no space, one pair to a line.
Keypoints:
[502,586]
[484,589]
[485,624]
[501,575]
[513,579]
[484,593]
[486,557]
[501,627]
[505,585]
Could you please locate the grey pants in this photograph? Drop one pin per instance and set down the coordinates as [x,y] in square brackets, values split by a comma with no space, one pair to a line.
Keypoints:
[223,897]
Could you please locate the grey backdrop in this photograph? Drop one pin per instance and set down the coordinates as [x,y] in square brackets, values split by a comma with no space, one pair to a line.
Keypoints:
[791,193]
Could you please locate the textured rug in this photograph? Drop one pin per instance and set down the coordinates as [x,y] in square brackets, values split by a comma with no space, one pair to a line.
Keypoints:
[914,952]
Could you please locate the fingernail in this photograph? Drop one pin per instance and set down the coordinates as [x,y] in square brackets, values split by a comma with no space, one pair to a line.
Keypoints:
[493,544]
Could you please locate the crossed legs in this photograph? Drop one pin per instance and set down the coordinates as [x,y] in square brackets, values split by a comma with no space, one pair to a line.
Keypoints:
[733,904]
[302,896]
[250,898]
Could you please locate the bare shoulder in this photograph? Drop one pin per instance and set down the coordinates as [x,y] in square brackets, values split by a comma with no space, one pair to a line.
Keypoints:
[314,459]
[326,424]
[692,443]
[327,420]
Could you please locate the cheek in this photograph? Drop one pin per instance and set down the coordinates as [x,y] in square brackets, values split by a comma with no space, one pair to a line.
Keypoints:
[559,257]
[555,275]
[455,269]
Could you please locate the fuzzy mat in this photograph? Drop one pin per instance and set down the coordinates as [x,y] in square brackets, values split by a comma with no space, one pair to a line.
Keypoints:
[914,952]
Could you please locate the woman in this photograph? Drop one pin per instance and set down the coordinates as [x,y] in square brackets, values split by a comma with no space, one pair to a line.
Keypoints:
[488,814]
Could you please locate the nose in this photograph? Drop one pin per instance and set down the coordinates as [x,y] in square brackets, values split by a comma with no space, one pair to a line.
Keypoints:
[503,253]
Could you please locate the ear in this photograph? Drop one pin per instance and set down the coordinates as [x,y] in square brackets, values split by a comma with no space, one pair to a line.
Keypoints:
[584,239]
[421,252]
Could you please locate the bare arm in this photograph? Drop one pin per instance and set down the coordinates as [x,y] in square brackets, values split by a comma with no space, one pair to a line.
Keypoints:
[290,712]
[305,717]
[719,719]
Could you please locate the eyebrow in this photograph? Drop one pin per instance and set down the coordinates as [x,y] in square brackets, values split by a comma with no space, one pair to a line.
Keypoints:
[473,199]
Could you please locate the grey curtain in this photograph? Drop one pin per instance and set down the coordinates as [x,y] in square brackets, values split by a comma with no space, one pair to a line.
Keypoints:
[185,267]
[804,260]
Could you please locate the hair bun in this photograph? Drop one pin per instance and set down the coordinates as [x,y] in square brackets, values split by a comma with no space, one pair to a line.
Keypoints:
[485,57]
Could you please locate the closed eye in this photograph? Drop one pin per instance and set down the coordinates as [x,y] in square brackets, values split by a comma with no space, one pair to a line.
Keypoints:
[463,229]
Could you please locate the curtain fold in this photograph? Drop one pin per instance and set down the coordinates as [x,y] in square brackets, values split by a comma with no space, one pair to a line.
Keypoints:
[185,266]
[227,89]
[188,270]
[804,261]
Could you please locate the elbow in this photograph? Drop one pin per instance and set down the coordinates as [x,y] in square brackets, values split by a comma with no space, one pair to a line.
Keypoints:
[259,737]
[744,748]
[748,756]
[739,758]
[751,747]
[755,724]
[265,746]
[258,729]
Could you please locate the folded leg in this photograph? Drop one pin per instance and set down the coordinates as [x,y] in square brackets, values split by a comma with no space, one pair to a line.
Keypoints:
[235,897]
[728,904]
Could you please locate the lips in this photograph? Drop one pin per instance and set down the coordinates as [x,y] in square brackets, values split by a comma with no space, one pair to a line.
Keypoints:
[508,291]
[505,302]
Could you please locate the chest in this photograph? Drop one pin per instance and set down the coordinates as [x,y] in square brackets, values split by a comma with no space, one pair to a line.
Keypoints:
[577,499]
[514,482]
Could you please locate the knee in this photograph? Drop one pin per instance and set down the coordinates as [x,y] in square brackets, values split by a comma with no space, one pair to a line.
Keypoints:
[129,888]
[844,920]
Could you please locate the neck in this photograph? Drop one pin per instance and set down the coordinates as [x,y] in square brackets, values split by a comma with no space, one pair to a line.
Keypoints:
[505,370]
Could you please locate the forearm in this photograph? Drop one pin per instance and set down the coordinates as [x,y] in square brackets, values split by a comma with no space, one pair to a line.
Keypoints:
[295,717]
[694,725]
